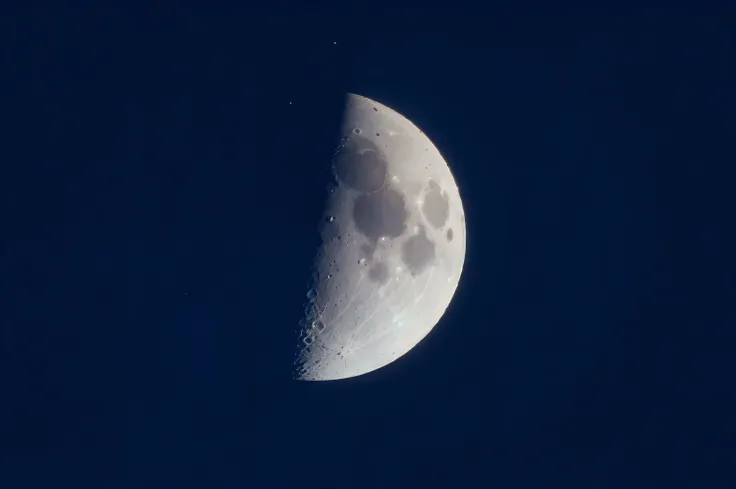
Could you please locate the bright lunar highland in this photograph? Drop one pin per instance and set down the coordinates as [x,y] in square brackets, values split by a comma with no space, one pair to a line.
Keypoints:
[393,247]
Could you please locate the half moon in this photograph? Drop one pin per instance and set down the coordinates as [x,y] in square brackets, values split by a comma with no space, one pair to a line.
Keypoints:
[393,247]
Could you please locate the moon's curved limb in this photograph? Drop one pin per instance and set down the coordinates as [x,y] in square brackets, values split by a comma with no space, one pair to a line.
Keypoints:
[393,247]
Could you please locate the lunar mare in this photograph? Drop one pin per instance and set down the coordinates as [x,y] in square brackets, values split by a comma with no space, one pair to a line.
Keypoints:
[393,247]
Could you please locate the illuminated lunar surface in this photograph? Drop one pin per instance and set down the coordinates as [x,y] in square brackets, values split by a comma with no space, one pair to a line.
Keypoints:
[393,247]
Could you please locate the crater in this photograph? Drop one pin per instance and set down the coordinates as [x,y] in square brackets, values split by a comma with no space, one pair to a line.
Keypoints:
[435,207]
[417,252]
[381,213]
[449,234]
[378,273]
[360,165]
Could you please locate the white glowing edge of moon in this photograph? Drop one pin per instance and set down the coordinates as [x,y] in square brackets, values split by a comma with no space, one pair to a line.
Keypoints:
[354,104]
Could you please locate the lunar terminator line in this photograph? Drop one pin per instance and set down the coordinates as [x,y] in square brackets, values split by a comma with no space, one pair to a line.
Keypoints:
[393,247]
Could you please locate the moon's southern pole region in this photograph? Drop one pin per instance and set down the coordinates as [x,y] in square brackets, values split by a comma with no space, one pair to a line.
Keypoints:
[393,247]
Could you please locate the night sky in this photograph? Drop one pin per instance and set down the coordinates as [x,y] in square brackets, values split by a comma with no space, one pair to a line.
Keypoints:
[162,178]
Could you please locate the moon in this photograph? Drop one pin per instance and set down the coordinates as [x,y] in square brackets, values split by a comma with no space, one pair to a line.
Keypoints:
[393,247]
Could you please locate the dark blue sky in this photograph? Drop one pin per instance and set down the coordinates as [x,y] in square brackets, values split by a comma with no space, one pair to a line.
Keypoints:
[160,199]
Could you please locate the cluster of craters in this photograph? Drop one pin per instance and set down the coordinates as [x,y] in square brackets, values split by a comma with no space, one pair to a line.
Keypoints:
[379,210]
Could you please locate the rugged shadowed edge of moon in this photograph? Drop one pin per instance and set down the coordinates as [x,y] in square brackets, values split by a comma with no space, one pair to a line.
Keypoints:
[393,247]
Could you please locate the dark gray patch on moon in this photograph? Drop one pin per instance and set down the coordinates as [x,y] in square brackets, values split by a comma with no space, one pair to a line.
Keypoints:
[381,213]
[379,273]
[435,207]
[417,252]
[449,234]
[360,165]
